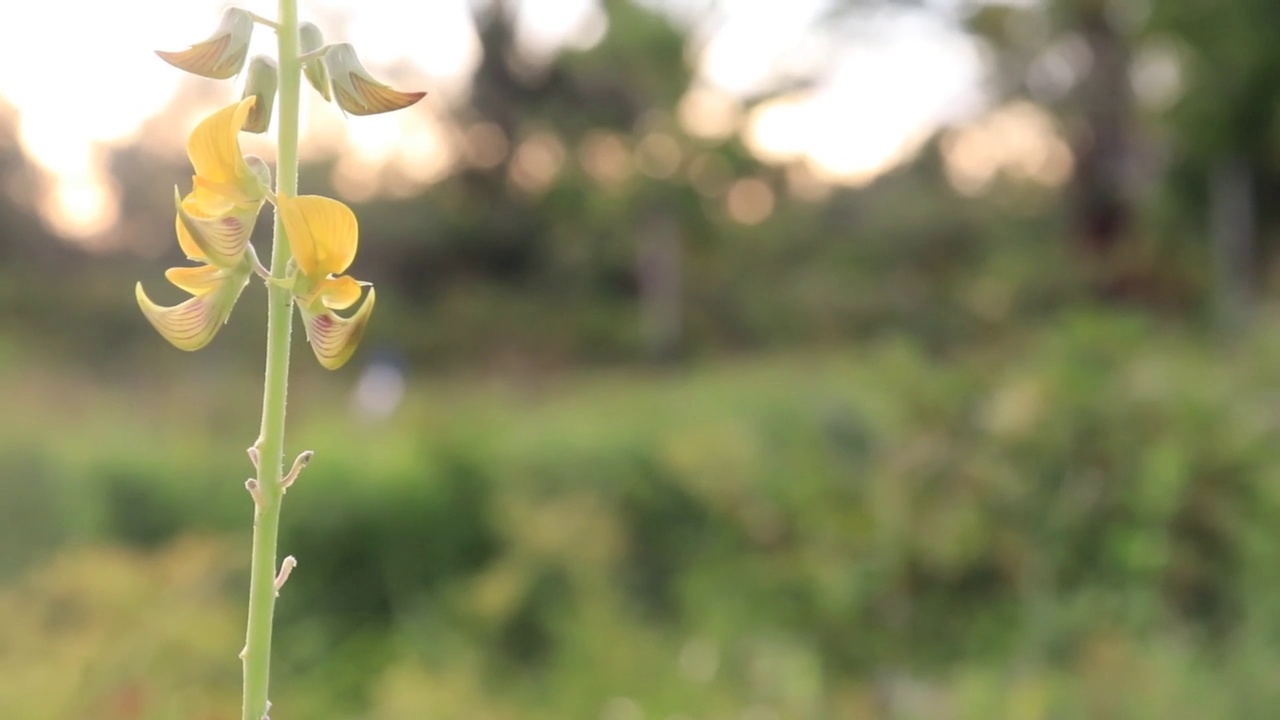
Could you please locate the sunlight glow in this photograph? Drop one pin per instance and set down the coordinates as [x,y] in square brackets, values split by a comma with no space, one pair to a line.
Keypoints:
[658,155]
[64,117]
[755,40]
[705,112]
[80,207]
[750,201]
[884,92]
[1019,140]
[605,157]
[882,100]
[486,145]
[537,161]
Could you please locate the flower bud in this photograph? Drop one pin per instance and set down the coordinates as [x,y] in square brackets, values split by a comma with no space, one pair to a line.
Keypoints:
[262,83]
[223,54]
[311,40]
[355,89]
[259,168]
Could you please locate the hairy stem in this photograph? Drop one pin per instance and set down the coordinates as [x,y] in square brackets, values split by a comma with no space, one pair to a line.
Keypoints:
[262,595]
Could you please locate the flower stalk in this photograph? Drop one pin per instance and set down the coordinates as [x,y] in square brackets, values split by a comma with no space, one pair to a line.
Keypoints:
[315,241]
[270,444]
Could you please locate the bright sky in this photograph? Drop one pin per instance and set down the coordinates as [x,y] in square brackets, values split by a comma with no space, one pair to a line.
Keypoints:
[884,90]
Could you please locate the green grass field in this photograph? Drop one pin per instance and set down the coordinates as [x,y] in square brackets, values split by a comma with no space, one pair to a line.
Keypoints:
[1078,525]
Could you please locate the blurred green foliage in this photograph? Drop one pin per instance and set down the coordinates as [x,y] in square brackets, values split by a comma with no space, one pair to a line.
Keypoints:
[1081,526]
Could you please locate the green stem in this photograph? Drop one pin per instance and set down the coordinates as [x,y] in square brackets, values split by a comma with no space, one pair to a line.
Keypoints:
[265,21]
[262,594]
[316,54]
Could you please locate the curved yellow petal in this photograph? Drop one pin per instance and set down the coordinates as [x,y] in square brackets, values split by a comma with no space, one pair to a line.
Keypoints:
[202,202]
[200,280]
[338,293]
[209,198]
[223,54]
[220,239]
[189,246]
[191,324]
[333,338]
[323,233]
[214,149]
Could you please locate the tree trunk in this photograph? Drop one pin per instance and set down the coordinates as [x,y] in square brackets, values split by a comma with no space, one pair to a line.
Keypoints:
[660,280]
[1232,225]
[1101,191]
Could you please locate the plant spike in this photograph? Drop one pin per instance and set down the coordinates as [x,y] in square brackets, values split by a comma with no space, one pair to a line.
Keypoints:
[213,224]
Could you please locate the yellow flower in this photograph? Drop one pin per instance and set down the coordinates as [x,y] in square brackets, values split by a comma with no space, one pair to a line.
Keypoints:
[190,325]
[215,220]
[355,89]
[323,235]
[223,54]
[213,224]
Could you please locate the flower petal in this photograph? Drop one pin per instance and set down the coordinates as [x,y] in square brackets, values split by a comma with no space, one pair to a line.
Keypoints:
[220,239]
[338,293]
[356,91]
[223,54]
[214,150]
[200,280]
[208,198]
[201,202]
[322,233]
[208,58]
[191,324]
[333,338]
[369,97]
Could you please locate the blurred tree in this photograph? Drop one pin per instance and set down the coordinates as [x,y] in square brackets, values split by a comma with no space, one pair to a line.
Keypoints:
[586,217]
[1224,131]
[1073,57]
[1200,132]
[576,164]
[1102,144]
